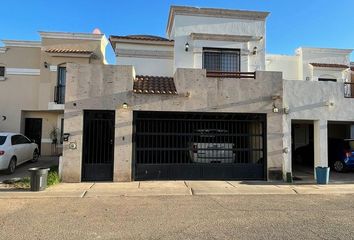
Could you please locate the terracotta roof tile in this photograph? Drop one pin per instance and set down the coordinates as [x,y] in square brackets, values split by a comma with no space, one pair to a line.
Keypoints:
[142,37]
[329,65]
[154,85]
[66,50]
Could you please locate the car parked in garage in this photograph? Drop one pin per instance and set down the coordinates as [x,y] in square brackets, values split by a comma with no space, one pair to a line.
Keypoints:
[207,147]
[16,149]
[340,154]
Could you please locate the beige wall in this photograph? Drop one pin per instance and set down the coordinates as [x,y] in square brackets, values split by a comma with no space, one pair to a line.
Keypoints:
[93,45]
[21,57]
[17,92]
[107,87]
[31,92]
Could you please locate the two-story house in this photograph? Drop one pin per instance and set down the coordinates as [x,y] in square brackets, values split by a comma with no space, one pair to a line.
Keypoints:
[206,102]
[33,80]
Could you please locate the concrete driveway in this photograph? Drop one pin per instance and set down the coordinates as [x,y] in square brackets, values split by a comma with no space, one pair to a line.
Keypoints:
[22,170]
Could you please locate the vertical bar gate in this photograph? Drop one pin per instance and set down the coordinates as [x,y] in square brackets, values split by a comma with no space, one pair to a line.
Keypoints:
[98,145]
[211,146]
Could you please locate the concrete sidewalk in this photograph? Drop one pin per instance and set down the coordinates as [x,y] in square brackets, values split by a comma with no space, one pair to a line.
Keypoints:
[174,188]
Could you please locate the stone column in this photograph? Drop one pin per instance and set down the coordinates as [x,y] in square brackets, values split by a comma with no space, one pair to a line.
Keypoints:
[123,149]
[287,143]
[72,156]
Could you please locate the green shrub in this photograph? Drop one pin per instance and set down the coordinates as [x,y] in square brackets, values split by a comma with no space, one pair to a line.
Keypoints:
[53,176]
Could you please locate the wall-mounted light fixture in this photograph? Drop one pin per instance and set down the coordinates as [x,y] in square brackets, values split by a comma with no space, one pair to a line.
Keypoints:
[275,109]
[254,52]
[186,47]
[4,118]
[46,65]
[125,105]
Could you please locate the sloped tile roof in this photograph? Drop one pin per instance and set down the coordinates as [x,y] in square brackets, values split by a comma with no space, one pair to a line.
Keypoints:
[154,85]
[67,50]
[329,65]
[142,37]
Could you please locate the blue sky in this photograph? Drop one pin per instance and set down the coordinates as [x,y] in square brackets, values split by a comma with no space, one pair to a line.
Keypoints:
[292,23]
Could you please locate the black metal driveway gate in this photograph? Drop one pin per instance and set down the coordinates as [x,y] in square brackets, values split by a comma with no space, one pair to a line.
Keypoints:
[209,146]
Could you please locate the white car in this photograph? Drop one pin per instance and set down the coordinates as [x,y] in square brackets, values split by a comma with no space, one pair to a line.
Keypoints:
[16,149]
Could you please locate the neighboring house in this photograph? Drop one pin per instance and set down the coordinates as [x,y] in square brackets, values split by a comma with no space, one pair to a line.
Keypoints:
[313,64]
[204,103]
[33,80]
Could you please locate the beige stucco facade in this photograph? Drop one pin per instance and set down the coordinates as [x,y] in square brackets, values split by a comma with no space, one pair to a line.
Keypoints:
[108,87]
[27,90]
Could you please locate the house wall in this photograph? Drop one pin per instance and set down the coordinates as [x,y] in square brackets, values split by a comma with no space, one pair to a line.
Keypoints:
[28,86]
[310,100]
[322,55]
[339,74]
[184,25]
[17,92]
[20,85]
[49,76]
[147,59]
[11,60]
[108,87]
[288,65]
[298,67]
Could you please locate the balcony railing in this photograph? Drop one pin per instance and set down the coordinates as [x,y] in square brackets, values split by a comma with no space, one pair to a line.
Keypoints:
[219,74]
[349,90]
[59,94]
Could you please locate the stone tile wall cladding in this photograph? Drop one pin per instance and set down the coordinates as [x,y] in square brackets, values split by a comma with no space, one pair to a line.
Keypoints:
[107,87]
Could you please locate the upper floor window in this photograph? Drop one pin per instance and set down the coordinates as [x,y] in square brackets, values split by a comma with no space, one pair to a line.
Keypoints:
[327,79]
[2,72]
[222,60]
[59,95]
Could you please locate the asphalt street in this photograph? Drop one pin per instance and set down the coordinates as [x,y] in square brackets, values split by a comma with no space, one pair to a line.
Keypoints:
[180,217]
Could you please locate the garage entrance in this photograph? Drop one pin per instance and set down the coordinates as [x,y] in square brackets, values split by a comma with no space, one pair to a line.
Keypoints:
[341,151]
[208,146]
[98,145]
[302,135]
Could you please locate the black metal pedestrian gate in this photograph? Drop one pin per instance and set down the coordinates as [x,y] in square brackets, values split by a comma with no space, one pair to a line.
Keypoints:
[205,146]
[98,145]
